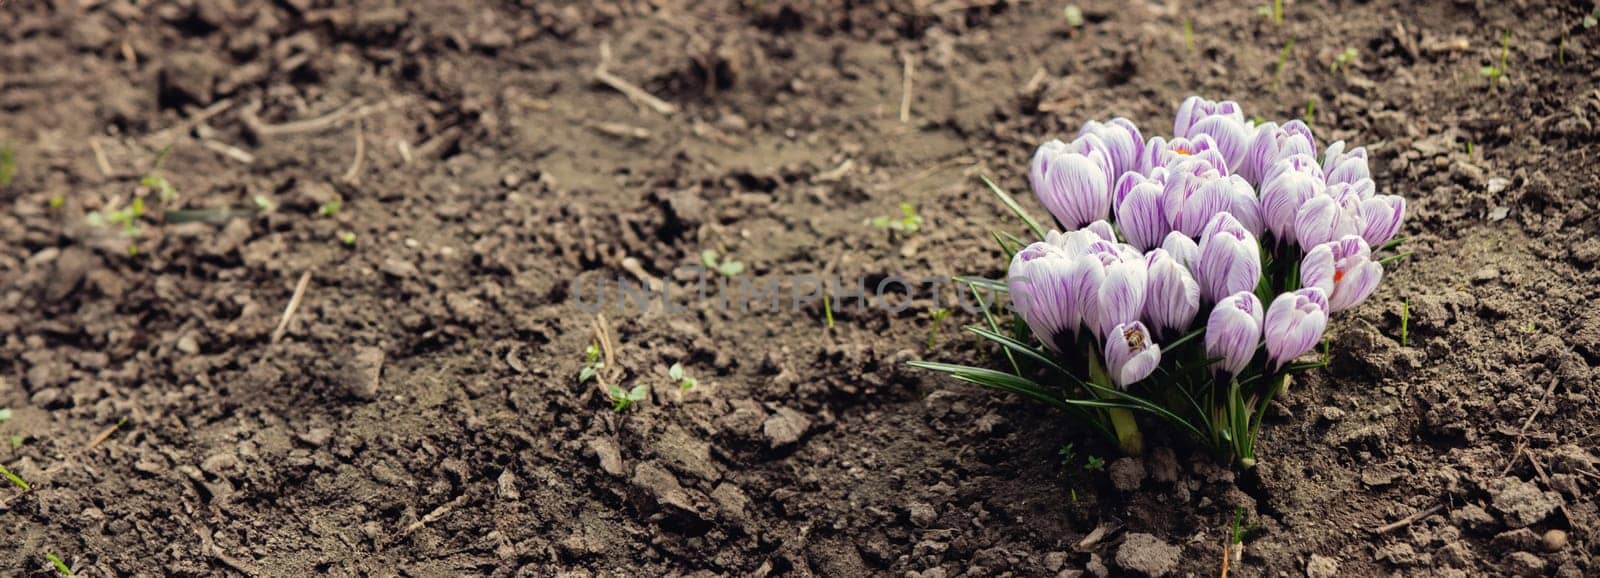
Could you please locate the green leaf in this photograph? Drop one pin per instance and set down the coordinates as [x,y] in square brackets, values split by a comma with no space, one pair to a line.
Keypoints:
[616,392]
[1010,203]
[709,258]
[676,371]
[5,414]
[638,393]
[990,284]
[8,166]
[15,479]
[586,374]
[731,268]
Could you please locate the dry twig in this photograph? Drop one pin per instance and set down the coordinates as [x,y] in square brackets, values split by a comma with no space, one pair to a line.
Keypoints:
[294,304]
[905,88]
[1406,521]
[100,157]
[638,95]
[354,174]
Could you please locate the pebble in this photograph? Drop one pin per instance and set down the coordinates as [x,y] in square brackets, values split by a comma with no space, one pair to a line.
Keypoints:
[364,372]
[188,345]
[1322,567]
[1554,540]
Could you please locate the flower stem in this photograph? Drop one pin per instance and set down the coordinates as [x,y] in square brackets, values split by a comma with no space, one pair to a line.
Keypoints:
[1129,439]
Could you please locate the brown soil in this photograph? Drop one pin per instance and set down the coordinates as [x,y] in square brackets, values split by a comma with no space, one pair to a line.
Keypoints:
[421,415]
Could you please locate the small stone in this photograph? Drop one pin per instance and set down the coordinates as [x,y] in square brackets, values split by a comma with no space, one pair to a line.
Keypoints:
[1148,555]
[785,427]
[1485,275]
[610,457]
[1471,516]
[398,268]
[1498,214]
[188,345]
[1554,540]
[316,437]
[1127,474]
[221,465]
[1332,414]
[1055,560]
[1498,184]
[1322,567]
[363,373]
[922,514]
[1523,503]
[1524,564]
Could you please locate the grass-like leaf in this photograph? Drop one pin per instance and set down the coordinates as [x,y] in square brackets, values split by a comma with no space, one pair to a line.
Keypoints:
[1011,203]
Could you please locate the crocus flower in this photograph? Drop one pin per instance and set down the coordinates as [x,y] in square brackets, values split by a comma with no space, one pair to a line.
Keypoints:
[1229,260]
[1244,205]
[1380,218]
[1072,180]
[1343,269]
[1343,166]
[1121,297]
[1328,216]
[1294,324]
[1051,289]
[1230,133]
[1194,192]
[1102,230]
[1195,109]
[1123,143]
[1182,248]
[1233,330]
[1272,143]
[1172,296]
[1131,354]
[1288,185]
[1160,152]
[1139,214]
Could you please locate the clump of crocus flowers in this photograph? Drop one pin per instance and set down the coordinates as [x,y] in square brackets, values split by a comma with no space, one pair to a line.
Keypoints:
[1194,271]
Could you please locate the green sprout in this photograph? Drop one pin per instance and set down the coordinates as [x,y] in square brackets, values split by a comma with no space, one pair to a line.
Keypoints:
[1283,60]
[16,442]
[348,238]
[1311,111]
[5,414]
[592,363]
[1343,59]
[331,208]
[1094,463]
[56,202]
[685,382]
[1469,148]
[827,309]
[59,565]
[714,262]
[908,222]
[1188,35]
[157,180]
[622,399]
[1592,18]
[264,204]
[8,165]
[127,217]
[1405,321]
[15,479]
[938,314]
[1074,15]
[1273,12]
[1561,48]
[1497,73]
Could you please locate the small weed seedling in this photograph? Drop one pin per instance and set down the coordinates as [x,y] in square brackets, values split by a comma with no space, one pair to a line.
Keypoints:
[1094,463]
[157,181]
[1497,73]
[591,363]
[5,415]
[1283,60]
[908,222]
[1592,19]
[685,382]
[58,565]
[264,204]
[622,399]
[8,165]
[1188,35]
[331,208]
[16,480]
[16,442]
[348,238]
[1074,15]
[56,202]
[938,315]
[1343,59]
[1273,11]
[725,267]
[1311,111]
[1405,321]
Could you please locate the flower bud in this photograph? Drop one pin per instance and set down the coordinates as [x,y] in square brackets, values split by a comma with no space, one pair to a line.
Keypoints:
[1229,261]
[1159,152]
[1343,166]
[1380,218]
[1328,216]
[1244,205]
[1102,230]
[1051,290]
[1294,324]
[1233,330]
[1182,248]
[1131,354]
[1342,269]
[1122,295]
[1072,181]
[1195,109]
[1172,296]
[1139,215]
[1231,135]
[1123,143]
[1272,143]
[1288,185]
[1194,192]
